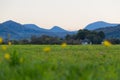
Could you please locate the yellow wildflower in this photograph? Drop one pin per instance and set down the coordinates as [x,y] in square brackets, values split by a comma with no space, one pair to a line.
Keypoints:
[64,45]
[107,43]
[7,56]
[4,48]
[21,60]
[1,40]
[9,43]
[47,49]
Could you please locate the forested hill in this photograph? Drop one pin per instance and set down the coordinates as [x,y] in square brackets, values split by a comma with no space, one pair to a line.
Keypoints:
[111,32]
[19,31]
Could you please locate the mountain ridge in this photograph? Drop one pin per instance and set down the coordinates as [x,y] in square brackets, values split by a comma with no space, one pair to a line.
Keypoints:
[111,32]
[99,24]
[25,31]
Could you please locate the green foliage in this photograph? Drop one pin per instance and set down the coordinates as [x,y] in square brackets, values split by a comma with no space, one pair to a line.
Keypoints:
[91,36]
[44,39]
[91,62]
[111,32]
[94,37]
[114,41]
[15,58]
[82,34]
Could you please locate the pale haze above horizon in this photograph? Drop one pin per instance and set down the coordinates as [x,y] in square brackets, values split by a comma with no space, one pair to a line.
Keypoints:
[68,14]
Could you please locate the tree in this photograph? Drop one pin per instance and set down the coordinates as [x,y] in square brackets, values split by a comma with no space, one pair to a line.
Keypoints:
[82,34]
[101,34]
[94,37]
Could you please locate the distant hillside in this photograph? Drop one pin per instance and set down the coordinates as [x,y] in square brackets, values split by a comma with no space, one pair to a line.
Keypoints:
[18,31]
[34,27]
[57,29]
[61,32]
[99,24]
[111,32]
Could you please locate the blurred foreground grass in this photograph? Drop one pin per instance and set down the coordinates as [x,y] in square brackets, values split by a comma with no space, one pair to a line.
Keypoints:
[73,62]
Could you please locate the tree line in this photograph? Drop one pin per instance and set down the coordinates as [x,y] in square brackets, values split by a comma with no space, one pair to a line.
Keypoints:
[81,37]
[78,38]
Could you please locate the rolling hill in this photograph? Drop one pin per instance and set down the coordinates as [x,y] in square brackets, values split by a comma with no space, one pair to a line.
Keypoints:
[99,24]
[111,32]
[19,31]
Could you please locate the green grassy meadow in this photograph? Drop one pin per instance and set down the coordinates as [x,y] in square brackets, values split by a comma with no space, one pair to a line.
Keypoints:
[73,62]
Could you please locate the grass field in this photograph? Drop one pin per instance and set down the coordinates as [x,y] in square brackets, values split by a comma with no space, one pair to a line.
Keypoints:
[73,62]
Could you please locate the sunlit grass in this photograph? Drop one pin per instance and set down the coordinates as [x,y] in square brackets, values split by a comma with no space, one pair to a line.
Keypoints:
[74,62]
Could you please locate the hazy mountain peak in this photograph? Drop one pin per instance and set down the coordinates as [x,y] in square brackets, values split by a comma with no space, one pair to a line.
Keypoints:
[9,22]
[20,31]
[99,24]
[33,26]
[57,29]
[12,24]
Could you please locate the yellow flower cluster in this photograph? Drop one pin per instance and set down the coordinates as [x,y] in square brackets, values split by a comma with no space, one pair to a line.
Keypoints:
[9,43]
[11,57]
[63,45]
[1,40]
[107,43]
[7,56]
[47,49]
[4,47]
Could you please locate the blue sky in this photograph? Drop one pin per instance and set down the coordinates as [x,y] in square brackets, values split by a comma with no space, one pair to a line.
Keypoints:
[68,14]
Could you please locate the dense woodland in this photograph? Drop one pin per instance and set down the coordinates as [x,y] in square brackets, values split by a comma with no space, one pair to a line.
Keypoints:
[81,37]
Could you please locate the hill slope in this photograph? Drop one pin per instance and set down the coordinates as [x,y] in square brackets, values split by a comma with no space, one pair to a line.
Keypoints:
[111,32]
[99,24]
[18,31]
